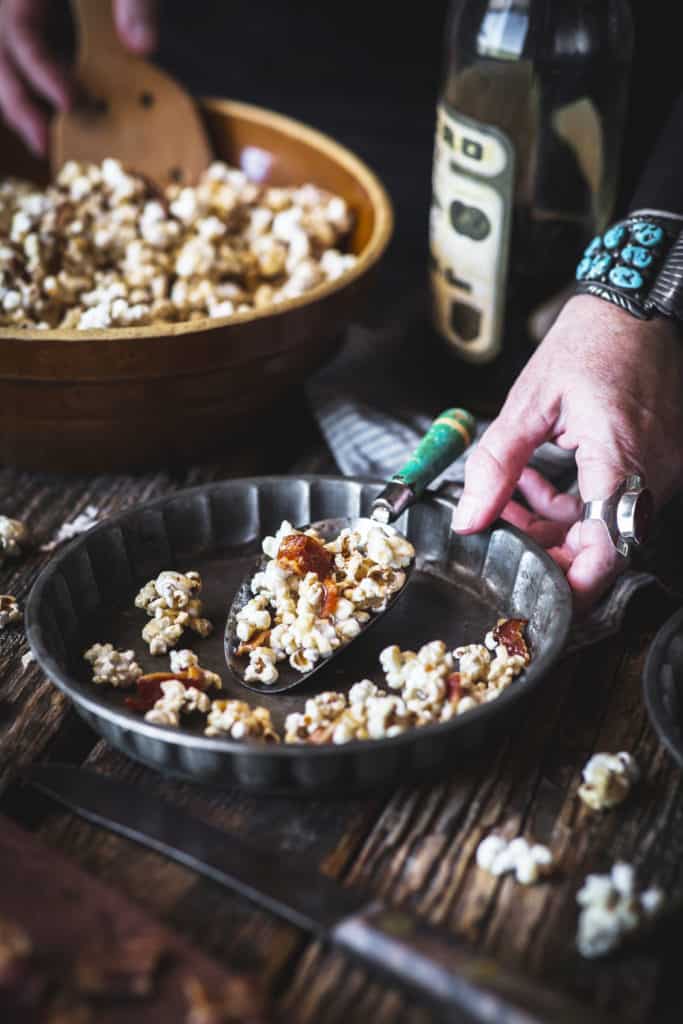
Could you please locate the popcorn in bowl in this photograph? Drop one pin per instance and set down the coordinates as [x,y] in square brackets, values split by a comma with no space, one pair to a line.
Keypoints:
[99,248]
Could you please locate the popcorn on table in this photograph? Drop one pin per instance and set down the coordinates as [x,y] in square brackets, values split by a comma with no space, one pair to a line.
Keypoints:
[612,908]
[172,602]
[112,667]
[313,597]
[83,522]
[14,536]
[9,610]
[529,862]
[608,779]
[99,248]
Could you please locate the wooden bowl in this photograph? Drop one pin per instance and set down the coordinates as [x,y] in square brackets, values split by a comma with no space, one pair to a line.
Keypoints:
[129,397]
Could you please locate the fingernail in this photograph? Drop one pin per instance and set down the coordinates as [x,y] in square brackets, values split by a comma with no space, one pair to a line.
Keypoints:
[138,33]
[36,142]
[464,514]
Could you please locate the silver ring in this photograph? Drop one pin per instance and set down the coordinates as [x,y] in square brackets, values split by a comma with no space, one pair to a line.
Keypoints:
[627,514]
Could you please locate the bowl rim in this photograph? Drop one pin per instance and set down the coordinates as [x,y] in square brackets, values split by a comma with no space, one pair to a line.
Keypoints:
[381,235]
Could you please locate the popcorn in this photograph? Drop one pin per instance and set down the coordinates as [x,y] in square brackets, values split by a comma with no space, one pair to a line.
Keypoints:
[186,661]
[253,618]
[528,862]
[475,662]
[9,610]
[235,718]
[261,667]
[177,699]
[13,536]
[612,909]
[608,779]
[83,522]
[504,667]
[98,249]
[171,599]
[112,667]
[302,609]
[164,631]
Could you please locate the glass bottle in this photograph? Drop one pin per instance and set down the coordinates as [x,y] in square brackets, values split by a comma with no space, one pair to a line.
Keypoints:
[526,163]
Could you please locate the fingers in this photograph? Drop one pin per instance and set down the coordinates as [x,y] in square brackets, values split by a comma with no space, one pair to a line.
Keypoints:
[21,111]
[40,70]
[547,500]
[137,24]
[595,565]
[495,466]
[545,532]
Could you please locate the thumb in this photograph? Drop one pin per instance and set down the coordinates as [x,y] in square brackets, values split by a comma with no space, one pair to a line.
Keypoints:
[496,464]
[137,23]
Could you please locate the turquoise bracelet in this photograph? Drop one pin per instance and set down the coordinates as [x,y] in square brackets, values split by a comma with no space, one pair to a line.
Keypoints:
[636,264]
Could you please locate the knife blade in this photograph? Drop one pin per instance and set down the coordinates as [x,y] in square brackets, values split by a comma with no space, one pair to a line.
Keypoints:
[428,961]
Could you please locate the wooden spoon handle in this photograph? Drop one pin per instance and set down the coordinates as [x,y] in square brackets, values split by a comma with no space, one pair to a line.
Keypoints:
[97,35]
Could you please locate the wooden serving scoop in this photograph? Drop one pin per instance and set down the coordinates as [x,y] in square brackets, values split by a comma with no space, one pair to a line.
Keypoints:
[130,110]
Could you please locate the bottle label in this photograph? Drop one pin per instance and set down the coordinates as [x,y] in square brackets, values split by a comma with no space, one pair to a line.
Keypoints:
[470,218]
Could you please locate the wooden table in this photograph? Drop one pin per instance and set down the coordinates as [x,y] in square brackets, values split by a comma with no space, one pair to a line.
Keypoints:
[415,847]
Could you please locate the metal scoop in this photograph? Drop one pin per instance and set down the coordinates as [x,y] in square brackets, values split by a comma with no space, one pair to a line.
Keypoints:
[449,435]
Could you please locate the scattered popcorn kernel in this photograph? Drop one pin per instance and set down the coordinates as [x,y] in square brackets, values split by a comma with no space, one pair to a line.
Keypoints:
[14,536]
[528,862]
[83,522]
[9,610]
[612,909]
[607,780]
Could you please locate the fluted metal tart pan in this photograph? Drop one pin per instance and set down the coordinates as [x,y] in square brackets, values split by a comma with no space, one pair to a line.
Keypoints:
[460,586]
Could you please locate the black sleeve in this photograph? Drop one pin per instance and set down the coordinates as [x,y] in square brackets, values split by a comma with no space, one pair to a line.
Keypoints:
[661,184]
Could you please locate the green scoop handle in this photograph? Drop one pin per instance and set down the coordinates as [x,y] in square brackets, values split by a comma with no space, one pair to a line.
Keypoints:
[447,438]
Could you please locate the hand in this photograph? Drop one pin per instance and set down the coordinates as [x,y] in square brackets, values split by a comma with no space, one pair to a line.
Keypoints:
[29,74]
[609,387]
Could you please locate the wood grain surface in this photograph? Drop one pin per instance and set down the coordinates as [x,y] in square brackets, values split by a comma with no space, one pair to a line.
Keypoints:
[414,848]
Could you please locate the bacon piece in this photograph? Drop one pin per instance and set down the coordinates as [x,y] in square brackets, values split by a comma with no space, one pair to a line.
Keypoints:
[454,686]
[330,599]
[149,691]
[301,554]
[149,686]
[323,734]
[259,639]
[510,633]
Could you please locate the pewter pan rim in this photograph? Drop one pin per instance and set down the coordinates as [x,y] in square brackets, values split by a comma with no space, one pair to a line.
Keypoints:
[658,657]
[127,720]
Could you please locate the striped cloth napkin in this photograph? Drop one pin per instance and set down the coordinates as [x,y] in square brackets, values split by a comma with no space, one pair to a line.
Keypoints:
[376,399]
